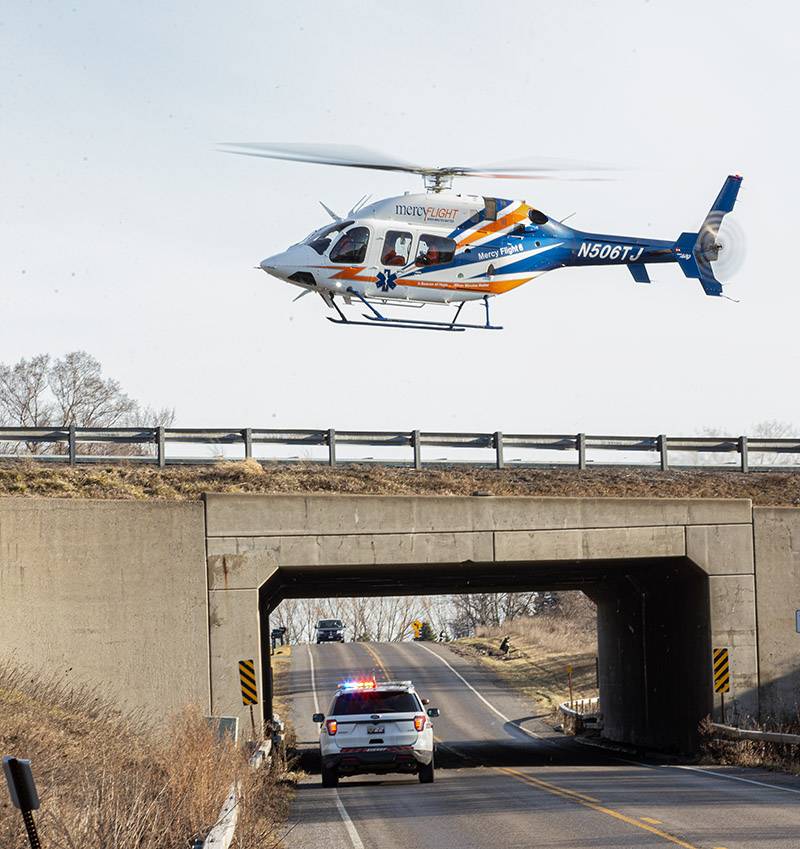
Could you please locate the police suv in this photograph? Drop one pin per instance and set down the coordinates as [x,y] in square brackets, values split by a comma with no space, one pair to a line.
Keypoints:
[376,728]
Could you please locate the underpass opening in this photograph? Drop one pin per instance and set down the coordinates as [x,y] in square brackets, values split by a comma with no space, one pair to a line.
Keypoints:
[671,578]
[653,628]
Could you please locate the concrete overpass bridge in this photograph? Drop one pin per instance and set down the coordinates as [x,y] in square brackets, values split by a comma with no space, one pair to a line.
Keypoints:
[157,601]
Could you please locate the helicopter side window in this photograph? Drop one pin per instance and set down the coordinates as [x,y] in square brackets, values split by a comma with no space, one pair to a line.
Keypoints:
[434,250]
[396,248]
[352,246]
[320,239]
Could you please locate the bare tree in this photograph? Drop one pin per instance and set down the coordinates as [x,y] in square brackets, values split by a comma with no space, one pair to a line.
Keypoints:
[83,397]
[41,392]
[474,609]
[773,429]
[765,429]
[24,397]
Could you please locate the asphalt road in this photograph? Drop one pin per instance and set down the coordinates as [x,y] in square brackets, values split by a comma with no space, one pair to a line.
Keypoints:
[505,779]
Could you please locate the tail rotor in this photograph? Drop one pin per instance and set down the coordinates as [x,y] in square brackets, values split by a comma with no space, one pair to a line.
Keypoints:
[721,246]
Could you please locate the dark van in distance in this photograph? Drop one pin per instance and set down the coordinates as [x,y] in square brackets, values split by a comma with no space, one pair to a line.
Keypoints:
[330,630]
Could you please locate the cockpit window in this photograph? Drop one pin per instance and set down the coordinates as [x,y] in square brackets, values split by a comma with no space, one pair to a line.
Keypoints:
[352,246]
[434,250]
[321,239]
[396,248]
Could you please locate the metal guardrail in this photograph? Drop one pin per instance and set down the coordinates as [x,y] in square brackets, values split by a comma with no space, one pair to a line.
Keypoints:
[730,732]
[221,834]
[581,707]
[68,444]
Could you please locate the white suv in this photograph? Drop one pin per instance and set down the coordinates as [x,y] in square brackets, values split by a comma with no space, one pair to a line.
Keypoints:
[376,728]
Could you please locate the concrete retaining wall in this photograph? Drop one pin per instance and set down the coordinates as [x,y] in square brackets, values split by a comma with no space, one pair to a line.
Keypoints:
[109,593]
[777,548]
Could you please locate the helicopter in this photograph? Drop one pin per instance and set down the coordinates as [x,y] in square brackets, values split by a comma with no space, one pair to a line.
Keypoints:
[445,248]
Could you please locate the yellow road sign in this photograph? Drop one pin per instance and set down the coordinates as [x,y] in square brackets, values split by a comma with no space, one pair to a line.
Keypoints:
[416,625]
[722,671]
[247,678]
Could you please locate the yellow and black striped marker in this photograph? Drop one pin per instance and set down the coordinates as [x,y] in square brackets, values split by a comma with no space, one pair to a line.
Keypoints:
[247,678]
[722,671]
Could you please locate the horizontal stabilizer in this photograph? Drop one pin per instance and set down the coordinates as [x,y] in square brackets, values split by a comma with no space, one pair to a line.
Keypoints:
[639,272]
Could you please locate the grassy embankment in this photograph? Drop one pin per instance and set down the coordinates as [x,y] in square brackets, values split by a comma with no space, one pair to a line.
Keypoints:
[108,781]
[542,648]
[187,483]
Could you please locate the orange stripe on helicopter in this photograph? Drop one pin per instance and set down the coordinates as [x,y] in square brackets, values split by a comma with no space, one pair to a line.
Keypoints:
[495,287]
[350,272]
[493,226]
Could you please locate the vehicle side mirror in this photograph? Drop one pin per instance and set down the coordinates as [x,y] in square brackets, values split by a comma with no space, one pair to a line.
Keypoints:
[318,717]
[433,712]
[426,701]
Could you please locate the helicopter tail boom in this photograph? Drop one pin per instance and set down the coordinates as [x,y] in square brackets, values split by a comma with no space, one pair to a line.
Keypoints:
[696,251]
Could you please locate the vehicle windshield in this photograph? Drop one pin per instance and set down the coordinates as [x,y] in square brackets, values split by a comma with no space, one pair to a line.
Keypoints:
[329,623]
[375,701]
[320,239]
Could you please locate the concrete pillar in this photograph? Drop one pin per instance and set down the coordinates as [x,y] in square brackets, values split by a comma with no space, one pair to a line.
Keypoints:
[653,645]
[234,635]
[733,626]
[777,546]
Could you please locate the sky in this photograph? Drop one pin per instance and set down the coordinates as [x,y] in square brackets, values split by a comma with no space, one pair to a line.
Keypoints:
[123,232]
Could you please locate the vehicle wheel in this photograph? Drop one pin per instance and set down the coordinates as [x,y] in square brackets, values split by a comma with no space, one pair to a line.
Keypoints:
[330,777]
[426,773]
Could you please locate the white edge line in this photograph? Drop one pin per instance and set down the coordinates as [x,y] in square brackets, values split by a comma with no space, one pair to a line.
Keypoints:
[486,701]
[348,823]
[352,833]
[735,778]
[313,679]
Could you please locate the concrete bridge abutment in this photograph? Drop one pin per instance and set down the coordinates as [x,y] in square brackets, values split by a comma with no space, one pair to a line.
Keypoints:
[157,602]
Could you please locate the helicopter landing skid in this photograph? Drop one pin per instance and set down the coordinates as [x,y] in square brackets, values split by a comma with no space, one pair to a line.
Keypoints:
[377,319]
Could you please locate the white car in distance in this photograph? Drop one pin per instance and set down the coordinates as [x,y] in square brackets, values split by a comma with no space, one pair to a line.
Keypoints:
[376,728]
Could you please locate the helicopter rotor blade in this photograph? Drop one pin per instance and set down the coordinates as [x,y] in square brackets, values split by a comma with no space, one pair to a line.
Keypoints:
[353,156]
[350,156]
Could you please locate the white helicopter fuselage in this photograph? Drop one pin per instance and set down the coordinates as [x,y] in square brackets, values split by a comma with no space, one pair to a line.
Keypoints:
[440,247]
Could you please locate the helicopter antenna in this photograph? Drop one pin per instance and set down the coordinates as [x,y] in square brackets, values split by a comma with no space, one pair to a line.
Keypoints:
[330,212]
[358,204]
[566,218]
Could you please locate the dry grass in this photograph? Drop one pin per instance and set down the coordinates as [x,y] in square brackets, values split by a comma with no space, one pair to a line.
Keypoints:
[541,649]
[125,481]
[752,753]
[107,781]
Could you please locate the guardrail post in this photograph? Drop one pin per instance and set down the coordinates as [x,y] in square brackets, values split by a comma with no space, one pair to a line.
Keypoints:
[581,446]
[498,447]
[416,444]
[72,445]
[247,437]
[662,447]
[160,448]
[743,452]
[331,447]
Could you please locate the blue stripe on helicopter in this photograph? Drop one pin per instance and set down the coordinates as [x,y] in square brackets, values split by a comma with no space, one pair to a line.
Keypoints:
[545,257]
[478,217]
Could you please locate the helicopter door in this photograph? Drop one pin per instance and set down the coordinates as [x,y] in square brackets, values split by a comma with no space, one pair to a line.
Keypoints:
[490,209]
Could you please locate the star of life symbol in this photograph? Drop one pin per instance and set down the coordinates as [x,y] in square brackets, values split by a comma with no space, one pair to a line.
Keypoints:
[386,280]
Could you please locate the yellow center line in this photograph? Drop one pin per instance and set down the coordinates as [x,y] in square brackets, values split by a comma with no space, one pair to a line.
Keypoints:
[650,820]
[376,657]
[645,824]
